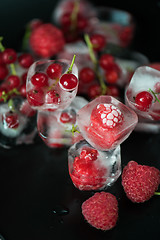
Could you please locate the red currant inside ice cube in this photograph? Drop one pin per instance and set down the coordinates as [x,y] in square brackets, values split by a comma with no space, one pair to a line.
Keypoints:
[68,82]
[143,101]
[10,119]
[39,80]
[35,97]
[54,70]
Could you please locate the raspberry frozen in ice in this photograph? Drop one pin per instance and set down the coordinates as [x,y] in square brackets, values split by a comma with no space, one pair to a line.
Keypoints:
[105,122]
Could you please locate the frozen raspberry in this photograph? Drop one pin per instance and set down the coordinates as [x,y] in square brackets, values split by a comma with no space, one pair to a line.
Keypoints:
[46,40]
[87,172]
[140,181]
[101,210]
[107,115]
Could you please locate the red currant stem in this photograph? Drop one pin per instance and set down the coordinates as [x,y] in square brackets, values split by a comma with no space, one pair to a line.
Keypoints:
[13,70]
[5,95]
[95,62]
[74,15]
[2,48]
[73,130]
[53,85]
[11,105]
[90,47]
[71,66]
[154,94]
[157,193]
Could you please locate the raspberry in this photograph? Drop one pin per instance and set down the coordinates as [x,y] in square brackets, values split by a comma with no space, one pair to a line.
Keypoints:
[46,40]
[87,172]
[101,210]
[107,115]
[140,181]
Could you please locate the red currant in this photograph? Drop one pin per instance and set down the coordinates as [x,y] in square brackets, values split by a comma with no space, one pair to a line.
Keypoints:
[52,97]
[39,79]
[111,76]
[10,119]
[24,77]
[106,61]
[65,117]
[13,81]
[22,90]
[113,91]
[3,71]
[94,91]
[9,56]
[143,101]
[25,60]
[68,82]
[54,71]
[86,75]
[35,97]
[81,22]
[98,41]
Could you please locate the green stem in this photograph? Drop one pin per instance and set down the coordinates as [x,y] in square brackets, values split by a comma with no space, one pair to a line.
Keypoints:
[74,15]
[154,94]
[71,66]
[90,47]
[13,69]
[5,95]
[95,62]
[2,48]
[157,193]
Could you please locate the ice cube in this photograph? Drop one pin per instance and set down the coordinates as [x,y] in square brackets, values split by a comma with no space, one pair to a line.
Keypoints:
[55,128]
[92,169]
[144,79]
[16,125]
[105,122]
[50,96]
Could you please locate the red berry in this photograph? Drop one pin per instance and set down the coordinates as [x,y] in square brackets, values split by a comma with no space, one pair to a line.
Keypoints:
[113,91]
[39,80]
[140,181]
[94,91]
[81,22]
[54,71]
[13,81]
[25,60]
[111,76]
[22,90]
[52,97]
[106,115]
[87,172]
[3,71]
[86,75]
[46,40]
[10,119]
[101,210]
[66,20]
[126,36]
[24,77]
[9,56]
[143,101]
[68,82]
[106,61]
[35,97]
[98,41]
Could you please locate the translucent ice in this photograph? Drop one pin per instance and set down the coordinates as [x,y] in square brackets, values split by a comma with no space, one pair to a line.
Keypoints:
[91,169]
[105,122]
[52,96]
[56,128]
[17,123]
[145,79]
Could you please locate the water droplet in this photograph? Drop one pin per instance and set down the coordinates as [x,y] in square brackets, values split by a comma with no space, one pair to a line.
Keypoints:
[60,210]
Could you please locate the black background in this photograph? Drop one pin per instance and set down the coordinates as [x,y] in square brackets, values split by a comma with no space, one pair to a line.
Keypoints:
[34,179]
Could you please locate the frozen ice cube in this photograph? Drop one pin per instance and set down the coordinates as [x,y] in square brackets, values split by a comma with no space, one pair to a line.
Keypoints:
[55,128]
[92,169]
[50,96]
[145,79]
[16,125]
[105,122]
